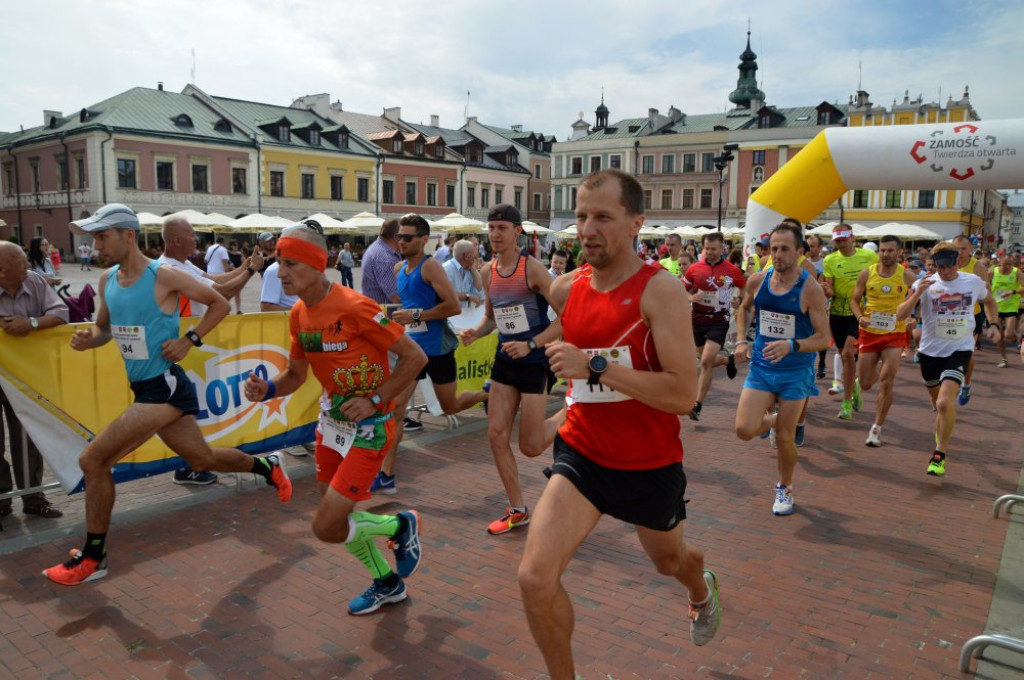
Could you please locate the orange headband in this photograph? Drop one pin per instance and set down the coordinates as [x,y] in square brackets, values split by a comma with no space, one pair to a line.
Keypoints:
[291,248]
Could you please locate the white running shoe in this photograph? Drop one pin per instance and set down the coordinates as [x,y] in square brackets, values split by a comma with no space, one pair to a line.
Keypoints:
[874,436]
[783,500]
[837,388]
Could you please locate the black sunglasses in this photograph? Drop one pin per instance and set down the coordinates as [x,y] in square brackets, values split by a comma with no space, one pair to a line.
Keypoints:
[409,237]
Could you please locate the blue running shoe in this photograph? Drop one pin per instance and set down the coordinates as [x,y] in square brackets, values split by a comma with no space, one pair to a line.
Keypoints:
[964,395]
[798,439]
[383,484]
[376,596]
[406,544]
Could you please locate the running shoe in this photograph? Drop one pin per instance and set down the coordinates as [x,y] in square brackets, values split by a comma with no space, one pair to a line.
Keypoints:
[512,519]
[845,410]
[821,372]
[771,439]
[190,476]
[937,466]
[917,357]
[79,569]
[706,618]
[487,389]
[964,395]
[874,436]
[837,387]
[383,484]
[279,477]
[695,412]
[411,425]
[783,500]
[798,438]
[406,544]
[856,399]
[376,596]
[1003,363]
[730,368]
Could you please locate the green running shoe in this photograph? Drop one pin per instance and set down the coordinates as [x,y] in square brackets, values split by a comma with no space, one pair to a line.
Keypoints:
[937,466]
[845,410]
[857,400]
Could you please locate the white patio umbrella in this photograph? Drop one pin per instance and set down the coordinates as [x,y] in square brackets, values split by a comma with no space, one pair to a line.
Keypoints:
[459,223]
[534,228]
[826,229]
[651,231]
[202,221]
[331,225]
[687,232]
[568,232]
[364,223]
[909,232]
[150,222]
[260,222]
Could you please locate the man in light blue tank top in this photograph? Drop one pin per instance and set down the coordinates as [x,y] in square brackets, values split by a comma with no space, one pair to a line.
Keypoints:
[139,310]
[788,307]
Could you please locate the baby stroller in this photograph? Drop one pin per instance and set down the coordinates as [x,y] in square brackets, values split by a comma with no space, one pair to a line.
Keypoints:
[80,308]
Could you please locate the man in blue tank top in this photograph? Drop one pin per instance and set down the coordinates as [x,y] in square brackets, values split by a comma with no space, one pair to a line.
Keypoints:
[138,309]
[788,308]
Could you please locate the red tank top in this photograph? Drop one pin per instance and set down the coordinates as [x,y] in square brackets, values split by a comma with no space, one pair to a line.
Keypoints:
[601,424]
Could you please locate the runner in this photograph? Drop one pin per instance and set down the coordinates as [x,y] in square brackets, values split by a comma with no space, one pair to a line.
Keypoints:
[968,264]
[517,287]
[788,308]
[841,269]
[712,282]
[139,309]
[344,337]
[947,338]
[882,337]
[1006,282]
[628,351]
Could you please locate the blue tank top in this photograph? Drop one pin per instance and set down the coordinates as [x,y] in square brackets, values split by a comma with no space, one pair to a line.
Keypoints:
[514,290]
[787,303]
[418,294]
[138,325]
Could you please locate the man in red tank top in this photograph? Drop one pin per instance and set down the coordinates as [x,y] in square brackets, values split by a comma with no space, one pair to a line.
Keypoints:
[628,353]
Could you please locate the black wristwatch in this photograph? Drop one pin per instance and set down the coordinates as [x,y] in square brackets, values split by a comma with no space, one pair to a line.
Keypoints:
[252,272]
[375,400]
[194,338]
[415,315]
[531,344]
[598,365]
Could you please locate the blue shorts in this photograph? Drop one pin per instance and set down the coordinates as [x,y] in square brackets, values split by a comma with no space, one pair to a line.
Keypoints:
[788,385]
[170,387]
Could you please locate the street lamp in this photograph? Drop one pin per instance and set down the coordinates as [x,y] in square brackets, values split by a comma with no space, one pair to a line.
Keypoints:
[721,163]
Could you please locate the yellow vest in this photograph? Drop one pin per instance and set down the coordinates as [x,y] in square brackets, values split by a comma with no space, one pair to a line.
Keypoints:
[884,295]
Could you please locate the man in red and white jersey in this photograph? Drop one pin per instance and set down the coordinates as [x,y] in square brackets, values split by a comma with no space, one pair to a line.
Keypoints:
[628,353]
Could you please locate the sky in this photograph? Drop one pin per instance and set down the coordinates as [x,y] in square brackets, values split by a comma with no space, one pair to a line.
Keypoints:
[538,64]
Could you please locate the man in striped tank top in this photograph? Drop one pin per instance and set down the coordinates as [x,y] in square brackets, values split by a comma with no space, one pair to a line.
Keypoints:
[628,354]
[881,287]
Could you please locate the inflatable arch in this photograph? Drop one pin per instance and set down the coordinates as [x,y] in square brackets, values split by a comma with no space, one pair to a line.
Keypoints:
[970,155]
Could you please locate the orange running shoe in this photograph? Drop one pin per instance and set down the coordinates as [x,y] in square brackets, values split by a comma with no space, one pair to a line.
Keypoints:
[79,569]
[279,477]
[512,520]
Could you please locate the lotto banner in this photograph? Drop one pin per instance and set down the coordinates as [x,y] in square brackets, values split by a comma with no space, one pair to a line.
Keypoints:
[64,398]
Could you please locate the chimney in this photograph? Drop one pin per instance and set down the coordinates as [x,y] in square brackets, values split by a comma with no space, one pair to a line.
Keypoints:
[50,115]
[518,127]
[336,106]
[393,112]
[435,120]
[160,85]
[652,117]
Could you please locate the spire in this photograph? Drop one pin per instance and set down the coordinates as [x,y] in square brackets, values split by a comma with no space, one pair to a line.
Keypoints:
[746,86]
[601,114]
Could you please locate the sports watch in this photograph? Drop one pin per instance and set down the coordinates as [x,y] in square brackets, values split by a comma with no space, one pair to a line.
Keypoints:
[194,338]
[375,400]
[531,344]
[598,365]
[415,315]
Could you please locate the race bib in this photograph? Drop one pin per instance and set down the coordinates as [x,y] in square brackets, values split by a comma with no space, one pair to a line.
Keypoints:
[600,394]
[775,325]
[707,298]
[883,321]
[511,320]
[952,326]
[337,436]
[131,342]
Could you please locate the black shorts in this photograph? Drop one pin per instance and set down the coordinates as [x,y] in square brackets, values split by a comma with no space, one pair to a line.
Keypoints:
[170,387]
[1008,315]
[714,332]
[979,322]
[442,369]
[647,498]
[936,369]
[843,327]
[527,377]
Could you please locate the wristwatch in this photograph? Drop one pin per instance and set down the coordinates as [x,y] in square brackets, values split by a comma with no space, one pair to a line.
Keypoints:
[415,315]
[33,321]
[194,338]
[375,400]
[252,272]
[598,365]
[531,344]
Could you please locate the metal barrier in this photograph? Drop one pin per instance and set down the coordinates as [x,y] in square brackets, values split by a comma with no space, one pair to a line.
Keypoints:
[1008,500]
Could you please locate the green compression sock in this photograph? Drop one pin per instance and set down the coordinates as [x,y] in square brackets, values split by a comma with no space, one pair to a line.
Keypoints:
[366,552]
[364,525]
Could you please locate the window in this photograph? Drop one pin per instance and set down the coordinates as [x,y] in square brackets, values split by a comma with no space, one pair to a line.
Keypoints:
[926,199]
[343,140]
[200,179]
[758,174]
[536,170]
[498,195]
[759,157]
[471,197]
[126,173]
[824,117]
[396,145]
[165,176]
[239,185]
[668,164]
[689,162]
[308,182]
[337,187]
[388,189]
[687,199]
[314,138]
[666,199]
[519,199]
[410,193]
[36,180]
[705,199]
[860,198]
[431,194]
[577,166]
[595,164]
[9,179]
[80,171]
[62,172]
[572,198]
[418,148]
[707,162]
[363,189]
[615,161]
[647,199]
[276,183]
[892,199]
[449,195]
[485,198]
[536,201]
[284,133]
[647,163]
[439,150]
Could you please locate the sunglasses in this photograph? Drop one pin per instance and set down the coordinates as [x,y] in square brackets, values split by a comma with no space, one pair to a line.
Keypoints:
[409,237]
